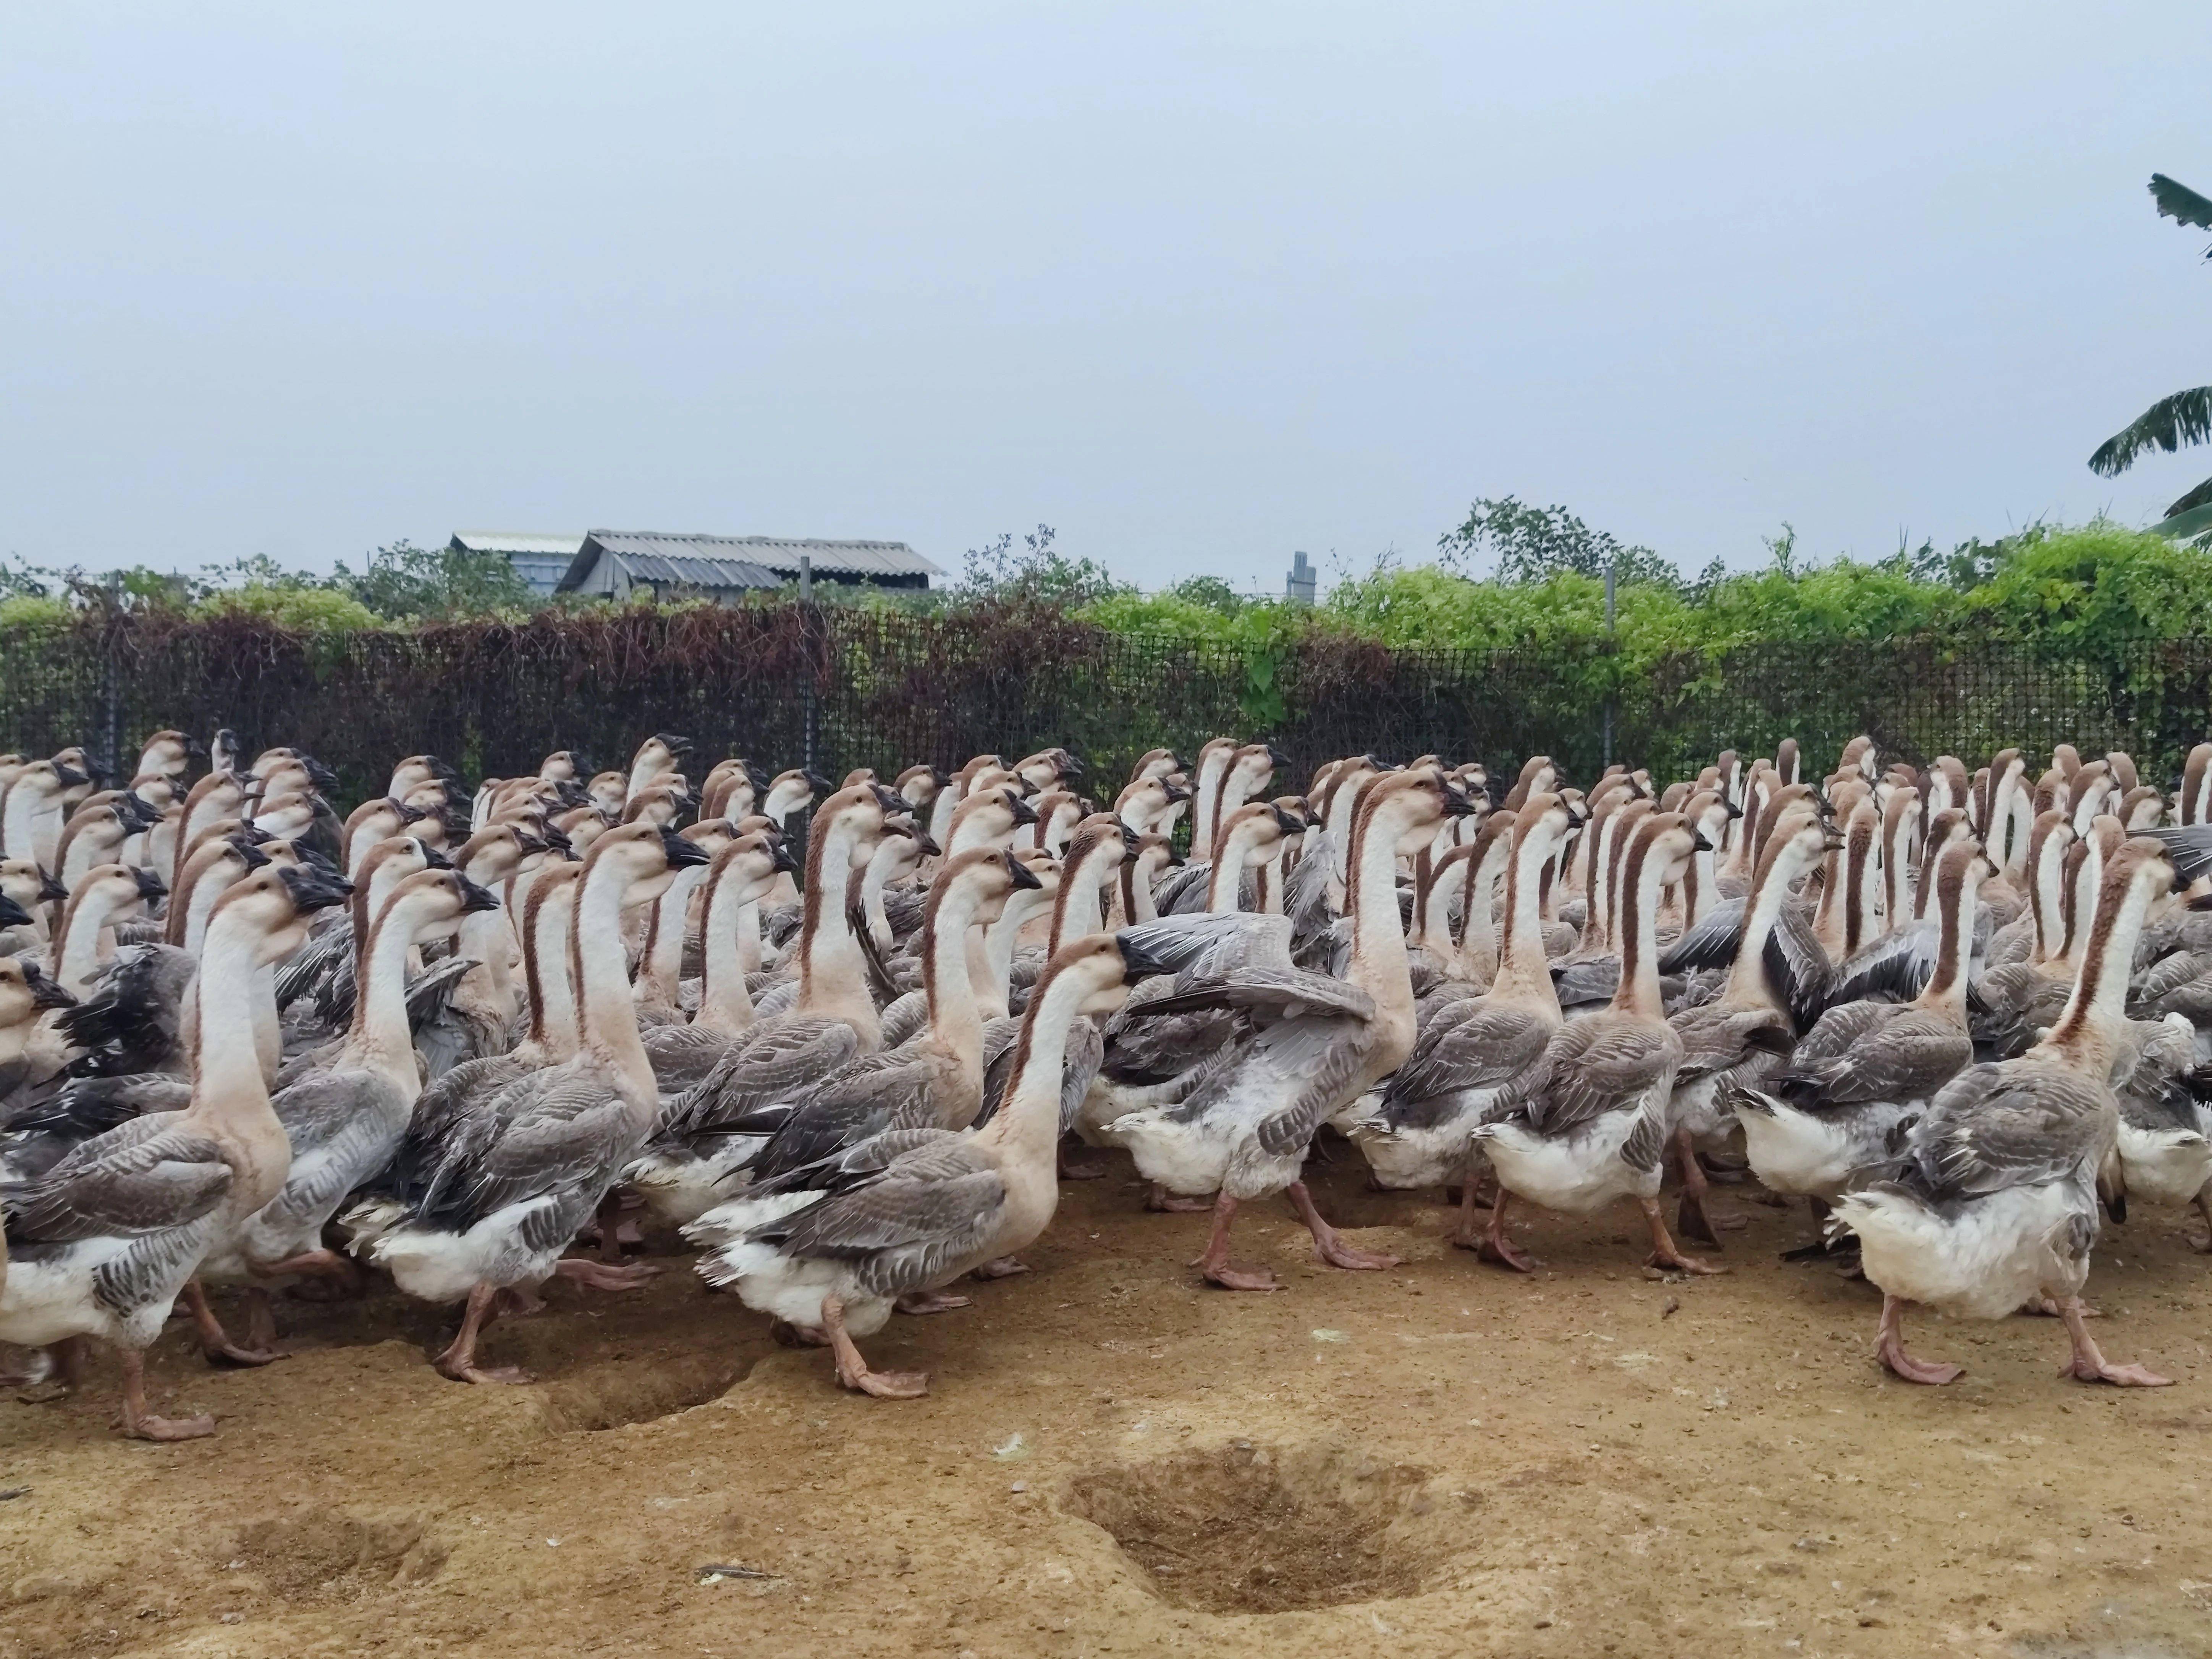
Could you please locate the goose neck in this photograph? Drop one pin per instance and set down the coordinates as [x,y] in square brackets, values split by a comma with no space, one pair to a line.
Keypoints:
[1029,1125]
[380,1034]
[724,1004]
[608,1017]
[228,1085]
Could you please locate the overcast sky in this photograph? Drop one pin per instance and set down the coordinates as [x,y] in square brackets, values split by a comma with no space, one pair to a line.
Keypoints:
[1197,285]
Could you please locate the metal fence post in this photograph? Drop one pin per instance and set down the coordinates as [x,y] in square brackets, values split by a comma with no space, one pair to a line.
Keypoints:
[111,682]
[1611,574]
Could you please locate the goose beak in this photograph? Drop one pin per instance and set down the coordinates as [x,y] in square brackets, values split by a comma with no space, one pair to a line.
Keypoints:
[781,858]
[1137,962]
[150,885]
[1023,812]
[673,744]
[314,886]
[1069,767]
[1174,792]
[51,891]
[195,750]
[1023,875]
[1831,840]
[12,915]
[820,785]
[681,852]
[474,898]
[1700,844]
[319,774]
[1734,811]
[45,992]
[929,848]
[249,852]
[68,776]
[1129,837]
[1457,803]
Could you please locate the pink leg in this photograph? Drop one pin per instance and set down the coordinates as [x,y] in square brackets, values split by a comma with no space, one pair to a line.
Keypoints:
[1074,1167]
[1000,1267]
[598,1276]
[1496,1247]
[459,1361]
[1690,1213]
[1663,1253]
[1328,1245]
[2086,1364]
[1213,1265]
[853,1371]
[1889,1348]
[929,1302]
[138,1423]
[215,1341]
[1467,1235]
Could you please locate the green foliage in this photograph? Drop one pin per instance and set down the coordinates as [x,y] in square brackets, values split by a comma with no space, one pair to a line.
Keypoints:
[405,582]
[298,606]
[1036,573]
[1534,544]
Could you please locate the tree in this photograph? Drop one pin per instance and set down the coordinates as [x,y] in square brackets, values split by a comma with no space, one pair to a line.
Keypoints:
[1530,543]
[1036,573]
[404,580]
[2171,423]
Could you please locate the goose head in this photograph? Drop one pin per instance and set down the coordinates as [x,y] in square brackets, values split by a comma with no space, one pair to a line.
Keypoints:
[498,851]
[272,907]
[27,992]
[1407,806]
[1056,813]
[661,753]
[919,786]
[644,856]
[1155,763]
[1049,768]
[745,871]
[418,770]
[432,904]
[989,817]
[795,791]
[608,791]
[1105,966]
[581,825]
[224,751]
[661,804]
[168,753]
[565,765]
[2142,808]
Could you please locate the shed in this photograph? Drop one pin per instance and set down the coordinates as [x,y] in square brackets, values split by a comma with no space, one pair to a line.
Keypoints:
[541,558]
[614,564]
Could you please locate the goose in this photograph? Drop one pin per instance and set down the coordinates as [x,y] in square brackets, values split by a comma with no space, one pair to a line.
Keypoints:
[1474,1058]
[1049,768]
[1151,858]
[343,1120]
[97,833]
[1996,1204]
[31,814]
[658,756]
[524,1174]
[832,975]
[220,798]
[705,1141]
[901,1216]
[170,754]
[106,895]
[933,1081]
[1844,919]
[990,956]
[479,1017]
[2164,1153]
[34,893]
[1318,1042]
[2011,1005]
[103,1243]
[1486,859]
[742,869]
[1213,758]
[26,994]
[1743,1035]
[2193,805]
[1828,1119]
[1594,1130]
[658,990]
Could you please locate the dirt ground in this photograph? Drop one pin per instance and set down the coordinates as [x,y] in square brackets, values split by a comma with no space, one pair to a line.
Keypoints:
[1443,1459]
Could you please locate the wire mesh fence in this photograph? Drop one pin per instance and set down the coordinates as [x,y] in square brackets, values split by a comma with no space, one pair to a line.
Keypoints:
[841,688]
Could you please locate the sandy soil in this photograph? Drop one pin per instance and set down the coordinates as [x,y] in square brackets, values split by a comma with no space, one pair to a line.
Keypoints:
[1440,1460]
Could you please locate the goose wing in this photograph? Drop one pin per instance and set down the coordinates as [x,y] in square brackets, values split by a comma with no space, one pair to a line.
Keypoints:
[874,1093]
[150,1174]
[1477,1045]
[1711,944]
[573,1132]
[1600,1065]
[1797,966]
[1284,1082]
[130,1025]
[1864,1051]
[911,1224]
[1899,964]
[1716,1038]
[774,1064]
[2018,1124]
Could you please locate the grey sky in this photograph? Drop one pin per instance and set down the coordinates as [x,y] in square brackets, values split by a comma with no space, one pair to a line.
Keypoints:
[1197,284]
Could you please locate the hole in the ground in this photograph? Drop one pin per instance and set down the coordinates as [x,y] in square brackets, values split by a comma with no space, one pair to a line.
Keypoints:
[325,1554]
[1246,1529]
[607,1397]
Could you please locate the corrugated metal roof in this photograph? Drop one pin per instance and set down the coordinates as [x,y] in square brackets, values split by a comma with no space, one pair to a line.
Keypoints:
[659,567]
[777,554]
[519,541]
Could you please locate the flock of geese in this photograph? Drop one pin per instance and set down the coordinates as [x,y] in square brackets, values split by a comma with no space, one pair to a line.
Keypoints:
[472,1040]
